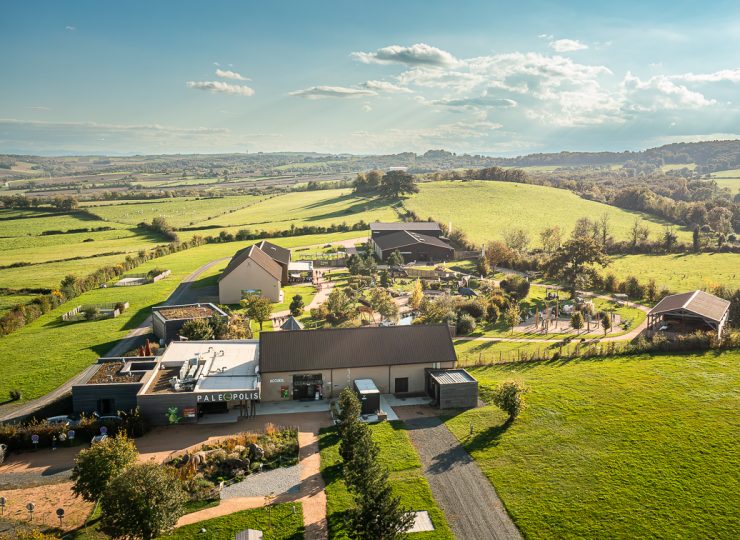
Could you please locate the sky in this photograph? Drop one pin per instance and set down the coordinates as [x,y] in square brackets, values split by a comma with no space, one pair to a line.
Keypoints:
[350,76]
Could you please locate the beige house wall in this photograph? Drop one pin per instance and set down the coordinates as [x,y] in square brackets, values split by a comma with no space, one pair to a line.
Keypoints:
[248,275]
[336,379]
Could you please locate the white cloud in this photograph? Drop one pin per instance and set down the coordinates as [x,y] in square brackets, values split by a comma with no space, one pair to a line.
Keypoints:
[155,128]
[419,54]
[366,107]
[567,45]
[545,36]
[228,74]
[221,87]
[385,86]
[321,92]
[70,28]
[484,101]
[660,92]
[730,75]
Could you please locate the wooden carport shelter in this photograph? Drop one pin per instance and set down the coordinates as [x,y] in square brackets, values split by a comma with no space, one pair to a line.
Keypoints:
[689,312]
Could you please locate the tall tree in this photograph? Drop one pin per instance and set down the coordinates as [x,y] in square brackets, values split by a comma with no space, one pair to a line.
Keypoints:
[512,316]
[551,237]
[378,514]
[296,305]
[257,308]
[382,302]
[144,501]
[517,239]
[97,466]
[574,263]
[395,259]
[398,183]
[577,321]
[417,294]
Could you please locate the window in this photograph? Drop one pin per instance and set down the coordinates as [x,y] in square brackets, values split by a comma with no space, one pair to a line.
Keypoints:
[402,385]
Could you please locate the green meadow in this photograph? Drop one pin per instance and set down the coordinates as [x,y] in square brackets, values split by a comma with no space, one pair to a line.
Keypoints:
[406,479]
[680,272]
[317,208]
[485,210]
[179,212]
[623,447]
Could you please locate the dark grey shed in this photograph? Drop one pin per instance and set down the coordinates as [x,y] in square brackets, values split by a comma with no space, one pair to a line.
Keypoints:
[369,395]
[452,388]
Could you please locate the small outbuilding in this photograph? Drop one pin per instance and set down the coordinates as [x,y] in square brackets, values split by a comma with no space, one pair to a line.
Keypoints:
[369,395]
[167,321]
[685,313]
[452,388]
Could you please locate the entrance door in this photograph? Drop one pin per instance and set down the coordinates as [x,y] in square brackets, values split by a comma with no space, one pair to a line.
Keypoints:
[306,386]
[402,385]
[105,407]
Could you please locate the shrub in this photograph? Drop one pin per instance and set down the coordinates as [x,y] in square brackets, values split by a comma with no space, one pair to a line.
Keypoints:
[96,467]
[509,397]
[15,394]
[473,308]
[492,313]
[465,324]
[516,286]
[91,313]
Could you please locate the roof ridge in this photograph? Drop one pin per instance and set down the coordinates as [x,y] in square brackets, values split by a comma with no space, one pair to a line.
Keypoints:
[691,298]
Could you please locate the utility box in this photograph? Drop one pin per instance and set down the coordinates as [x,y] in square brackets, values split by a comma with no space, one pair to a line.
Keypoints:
[452,388]
[369,395]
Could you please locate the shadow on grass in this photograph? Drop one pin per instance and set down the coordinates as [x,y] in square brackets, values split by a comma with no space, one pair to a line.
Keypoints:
[487,438]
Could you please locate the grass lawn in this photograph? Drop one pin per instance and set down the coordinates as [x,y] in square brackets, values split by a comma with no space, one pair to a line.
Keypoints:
[320,208]
[488,352]
[623,447]
[679,273]
[47,352]
[484,210]
[34,222]
[179,212]
[406,478]
[306,290]
[285,524]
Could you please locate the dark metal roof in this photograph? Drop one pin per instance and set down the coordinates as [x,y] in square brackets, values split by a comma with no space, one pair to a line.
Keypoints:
[355,347]
[277,253]
[406,226]
[698,302]
[403,239]
[258,256]
[291,323]
[451,376]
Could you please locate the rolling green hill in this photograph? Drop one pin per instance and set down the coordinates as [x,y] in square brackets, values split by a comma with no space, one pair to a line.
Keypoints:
[484,210]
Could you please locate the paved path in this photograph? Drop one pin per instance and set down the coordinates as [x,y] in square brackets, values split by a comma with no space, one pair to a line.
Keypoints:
[182,294]
[468,500]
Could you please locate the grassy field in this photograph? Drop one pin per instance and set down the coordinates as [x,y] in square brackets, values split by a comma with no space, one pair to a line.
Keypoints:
[731,173]
[680,272]
[626,447]
[320,208]
[281,523]
[180,212]
[33,222]
[407,480]
[485,210]
[47,352]
[678,166]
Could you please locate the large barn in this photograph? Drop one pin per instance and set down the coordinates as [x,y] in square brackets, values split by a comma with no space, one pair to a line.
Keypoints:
[413,247]
[689,312]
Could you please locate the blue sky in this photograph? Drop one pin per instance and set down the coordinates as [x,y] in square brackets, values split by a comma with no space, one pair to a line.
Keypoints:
[365,77]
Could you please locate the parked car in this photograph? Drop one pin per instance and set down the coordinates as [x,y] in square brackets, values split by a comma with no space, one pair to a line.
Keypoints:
[62,420]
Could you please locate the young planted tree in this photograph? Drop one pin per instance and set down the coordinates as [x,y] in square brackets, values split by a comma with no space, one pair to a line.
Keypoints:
[257,308]
[577,321]
[98,465]
[509,397]
[512,316]
[606,323]
[349,425]
[417,295]
[382,302]
[144,501]
[296,305]
[339,306]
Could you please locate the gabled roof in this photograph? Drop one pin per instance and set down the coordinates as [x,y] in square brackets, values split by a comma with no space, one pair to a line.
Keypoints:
[291,323]
[698,302]
[259,257]
[402,239]
[277,253]
[406,226]
[355,347]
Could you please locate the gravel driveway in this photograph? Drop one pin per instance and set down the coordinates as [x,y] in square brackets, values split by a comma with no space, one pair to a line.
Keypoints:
[467,498]
[276,481]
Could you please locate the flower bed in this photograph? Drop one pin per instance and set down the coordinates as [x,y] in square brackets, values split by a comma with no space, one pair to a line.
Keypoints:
[232,459]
